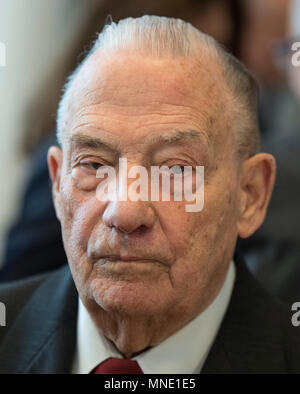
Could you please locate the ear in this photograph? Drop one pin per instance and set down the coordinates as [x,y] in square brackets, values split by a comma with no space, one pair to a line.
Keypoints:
[257,182]
[55,159]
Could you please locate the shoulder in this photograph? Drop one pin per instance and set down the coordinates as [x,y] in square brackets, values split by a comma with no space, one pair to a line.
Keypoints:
[18,294]
[40,331]
[257,330]
[14,295]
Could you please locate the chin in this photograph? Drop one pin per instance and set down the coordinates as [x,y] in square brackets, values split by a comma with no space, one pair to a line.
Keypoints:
[129,299]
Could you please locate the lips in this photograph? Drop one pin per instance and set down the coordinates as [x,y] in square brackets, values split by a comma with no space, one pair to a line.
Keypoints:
[125,259]
[117,255]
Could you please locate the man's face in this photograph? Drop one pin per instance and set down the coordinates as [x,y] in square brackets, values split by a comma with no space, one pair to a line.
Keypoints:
[147,258]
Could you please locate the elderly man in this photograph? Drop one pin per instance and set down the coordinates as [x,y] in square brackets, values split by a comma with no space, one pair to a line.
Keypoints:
[160,290]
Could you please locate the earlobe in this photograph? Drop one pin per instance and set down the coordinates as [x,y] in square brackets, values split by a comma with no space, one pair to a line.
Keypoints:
[257,182]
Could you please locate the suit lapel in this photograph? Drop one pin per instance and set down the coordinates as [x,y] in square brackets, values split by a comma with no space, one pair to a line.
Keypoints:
[217,361]
[250,338]
[44,334]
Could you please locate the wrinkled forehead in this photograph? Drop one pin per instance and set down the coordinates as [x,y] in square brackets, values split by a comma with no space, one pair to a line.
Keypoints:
[128,82]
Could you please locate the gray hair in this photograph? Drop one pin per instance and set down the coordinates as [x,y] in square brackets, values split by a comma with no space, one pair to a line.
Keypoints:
[162,36]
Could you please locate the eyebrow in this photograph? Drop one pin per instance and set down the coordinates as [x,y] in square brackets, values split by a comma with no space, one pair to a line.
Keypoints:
[167,138]
[179,136]
[85,141]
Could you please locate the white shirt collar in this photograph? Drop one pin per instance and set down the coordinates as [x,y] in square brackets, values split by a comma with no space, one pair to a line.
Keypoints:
[183,352]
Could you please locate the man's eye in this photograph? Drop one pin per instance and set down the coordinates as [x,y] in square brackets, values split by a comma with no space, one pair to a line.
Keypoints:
[94,165]
[177,169]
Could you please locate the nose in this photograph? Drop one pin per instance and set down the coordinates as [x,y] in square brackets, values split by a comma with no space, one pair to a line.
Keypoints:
[129,216]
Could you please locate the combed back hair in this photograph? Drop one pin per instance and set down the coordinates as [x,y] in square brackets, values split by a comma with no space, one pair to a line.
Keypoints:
[171,37]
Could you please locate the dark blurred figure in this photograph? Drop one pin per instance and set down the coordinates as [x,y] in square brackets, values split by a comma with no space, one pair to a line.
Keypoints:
[34,243]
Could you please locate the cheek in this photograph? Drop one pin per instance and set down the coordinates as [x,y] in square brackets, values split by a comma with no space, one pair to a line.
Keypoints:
[216,226]
[81,212]
[203,236]
[175,222]
[203,242]
[198,230]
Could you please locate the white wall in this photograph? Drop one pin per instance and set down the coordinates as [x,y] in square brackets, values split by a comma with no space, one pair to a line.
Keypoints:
[36,33]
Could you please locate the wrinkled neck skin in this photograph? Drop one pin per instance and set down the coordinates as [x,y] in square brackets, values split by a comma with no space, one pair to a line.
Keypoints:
[132,335]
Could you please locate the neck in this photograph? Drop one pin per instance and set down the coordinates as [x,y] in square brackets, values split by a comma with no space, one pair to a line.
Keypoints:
[132,335]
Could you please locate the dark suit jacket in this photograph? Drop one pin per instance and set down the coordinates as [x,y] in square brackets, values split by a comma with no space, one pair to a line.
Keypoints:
[256,335]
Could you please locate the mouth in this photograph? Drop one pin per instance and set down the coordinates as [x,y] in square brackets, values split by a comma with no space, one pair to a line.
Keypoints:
[131,267]
[127,259]
[128,268]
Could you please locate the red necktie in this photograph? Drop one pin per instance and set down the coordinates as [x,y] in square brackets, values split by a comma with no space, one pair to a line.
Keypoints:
[117,366]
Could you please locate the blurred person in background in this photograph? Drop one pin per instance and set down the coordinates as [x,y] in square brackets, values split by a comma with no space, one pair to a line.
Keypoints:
[34,242]
[273,253]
